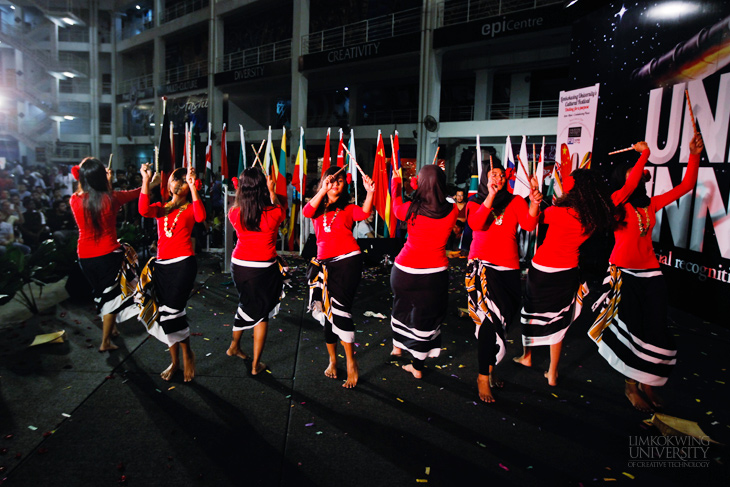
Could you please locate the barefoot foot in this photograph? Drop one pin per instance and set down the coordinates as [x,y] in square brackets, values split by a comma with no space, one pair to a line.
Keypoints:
[189,367]
[107,347]
[484,387]
[495,382]
[331,370]
[169,371]
[352,375]
[234,351]
[651,395]
[632,394]
[552,378]
[396,352]
[257,368]
[416,373]
[523,360]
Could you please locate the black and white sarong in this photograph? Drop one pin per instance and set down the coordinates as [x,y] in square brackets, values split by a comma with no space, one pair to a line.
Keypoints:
[165,286]
[260,289]
[553,300]
[420,304]
[113,278]
[332,287]
[631,329]
[493,298]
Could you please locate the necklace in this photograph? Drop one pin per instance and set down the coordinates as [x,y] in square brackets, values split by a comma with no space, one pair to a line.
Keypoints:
[498,216]
[168,232]
[643,225]
[328,227]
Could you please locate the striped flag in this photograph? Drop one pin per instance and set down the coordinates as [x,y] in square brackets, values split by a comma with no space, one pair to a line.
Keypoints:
[326,157]
[299,178]
[341,151]
[280,169]
[509,163]
[208,175]
[381,181]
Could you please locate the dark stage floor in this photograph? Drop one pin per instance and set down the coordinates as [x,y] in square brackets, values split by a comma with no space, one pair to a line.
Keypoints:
[70,415]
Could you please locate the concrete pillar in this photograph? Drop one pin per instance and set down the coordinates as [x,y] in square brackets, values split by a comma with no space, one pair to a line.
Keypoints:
[483,86]
[429,91]
[94,77]
[299,82]
[519,95]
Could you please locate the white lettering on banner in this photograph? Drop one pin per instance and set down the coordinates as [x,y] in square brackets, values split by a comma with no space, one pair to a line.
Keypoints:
[706,195]
[248,73]
[708,200]
[365,50]
[510,25]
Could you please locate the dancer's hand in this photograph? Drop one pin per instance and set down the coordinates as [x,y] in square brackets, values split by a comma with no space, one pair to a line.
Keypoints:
[368,183]
[641,146]
[146,171]
[696,144]
[535,194]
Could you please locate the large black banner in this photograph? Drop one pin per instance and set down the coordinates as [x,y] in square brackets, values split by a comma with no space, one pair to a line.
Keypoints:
[645,56]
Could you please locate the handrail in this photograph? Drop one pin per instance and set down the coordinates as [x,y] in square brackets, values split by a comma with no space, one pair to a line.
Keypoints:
[254,56]
[458,12]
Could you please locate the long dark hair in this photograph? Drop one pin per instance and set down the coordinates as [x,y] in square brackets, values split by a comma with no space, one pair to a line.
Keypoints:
[341,202]
[637,199]
[590,198]
[252,197]
[93,182]
[430,197]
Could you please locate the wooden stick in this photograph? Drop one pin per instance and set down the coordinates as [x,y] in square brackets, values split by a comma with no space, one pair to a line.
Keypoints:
[109,164]
[257,154]
[157,159]
[533,166]
[435,156]
[519,162]
[362,173]
[621,150]
[338,172]
[491,164]
[394,156]
[691,113]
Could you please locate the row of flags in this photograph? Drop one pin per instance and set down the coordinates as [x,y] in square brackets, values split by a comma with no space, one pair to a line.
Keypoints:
[519,167]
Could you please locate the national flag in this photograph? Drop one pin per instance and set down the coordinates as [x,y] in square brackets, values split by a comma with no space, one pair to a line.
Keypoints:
[509,163]
[352,159]
[541,166]
[396,154]
[293,213]
[382,192]
[165,158]
[208,175]
[586,162]
[395,166]
[326,157]
[268,153]
[224,154]
[341,151]
[561,170]
[299,178]
[522,183]
[242,154]
[476,177]
[280,169]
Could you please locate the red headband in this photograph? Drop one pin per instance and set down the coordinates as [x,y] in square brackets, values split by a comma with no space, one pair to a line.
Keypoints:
[75,171]
[234,180]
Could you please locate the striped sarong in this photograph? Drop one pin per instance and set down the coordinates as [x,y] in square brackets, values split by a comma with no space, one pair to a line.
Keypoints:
[260,288]
[553,300]
[163,292]
[332,287]
[493,298]
[631,328]
[420,304]
[113,278]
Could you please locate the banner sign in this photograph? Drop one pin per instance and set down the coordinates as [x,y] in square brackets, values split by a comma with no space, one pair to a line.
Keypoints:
[199,83]
[577,124]
[645,57]
[362,52]
[530,20]
[251,73]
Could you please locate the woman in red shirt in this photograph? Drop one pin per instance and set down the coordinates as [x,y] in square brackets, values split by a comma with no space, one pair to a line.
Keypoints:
[420,276]
[173,271]
[639,344]
[554,293]
[335,273]
[108,266]
[493,269]
[256,216]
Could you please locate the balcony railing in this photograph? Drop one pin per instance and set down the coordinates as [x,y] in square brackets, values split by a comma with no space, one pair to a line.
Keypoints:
[71,151]
[385,27]
[139,84]
[458,12]
[384,117]
[255,56]
[80,34]
[183,8]
[459,113]
[187,71]
[534,109]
